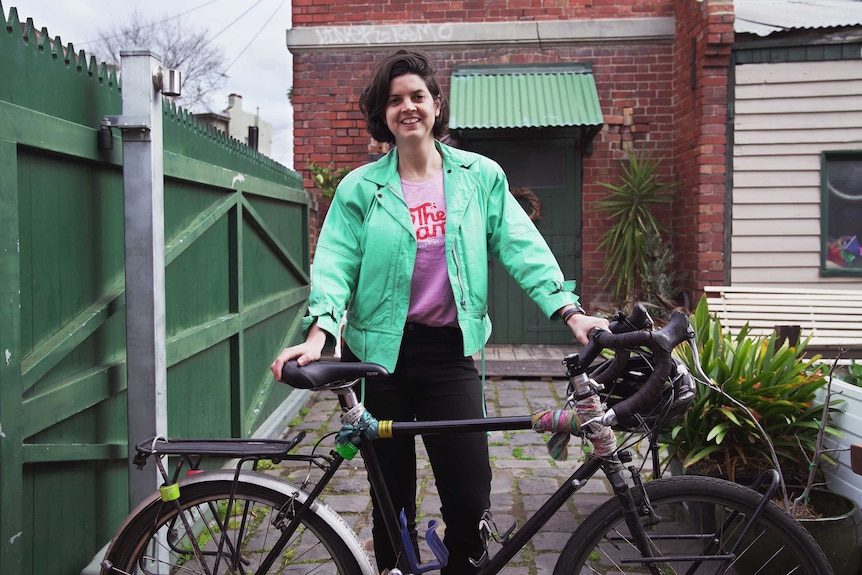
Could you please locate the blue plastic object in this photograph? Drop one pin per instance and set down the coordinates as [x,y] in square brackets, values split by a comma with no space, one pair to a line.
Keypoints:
[441,554]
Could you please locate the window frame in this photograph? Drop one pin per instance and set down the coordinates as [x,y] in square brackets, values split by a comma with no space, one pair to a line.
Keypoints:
[825,157]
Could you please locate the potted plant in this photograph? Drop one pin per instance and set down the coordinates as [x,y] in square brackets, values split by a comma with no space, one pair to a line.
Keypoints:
[848,385]
[762,411]
[635,233]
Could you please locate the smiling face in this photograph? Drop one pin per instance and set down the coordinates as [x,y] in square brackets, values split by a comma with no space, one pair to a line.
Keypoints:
[411,109]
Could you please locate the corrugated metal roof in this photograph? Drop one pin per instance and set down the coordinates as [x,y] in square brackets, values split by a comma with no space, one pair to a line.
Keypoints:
[524,97]
[763,17]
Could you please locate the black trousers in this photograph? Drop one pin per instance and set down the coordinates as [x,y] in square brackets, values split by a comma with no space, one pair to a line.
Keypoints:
[432,381]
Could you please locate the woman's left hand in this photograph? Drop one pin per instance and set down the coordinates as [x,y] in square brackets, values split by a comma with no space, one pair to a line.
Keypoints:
[581,325]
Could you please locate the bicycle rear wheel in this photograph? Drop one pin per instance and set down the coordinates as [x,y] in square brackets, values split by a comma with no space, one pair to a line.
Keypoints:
[158,540]
[699,522]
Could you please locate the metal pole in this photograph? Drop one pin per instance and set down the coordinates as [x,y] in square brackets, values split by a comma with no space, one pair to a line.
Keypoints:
[143,195]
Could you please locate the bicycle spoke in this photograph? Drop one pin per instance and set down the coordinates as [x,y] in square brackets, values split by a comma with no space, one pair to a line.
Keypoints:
[233,539]
[700,526]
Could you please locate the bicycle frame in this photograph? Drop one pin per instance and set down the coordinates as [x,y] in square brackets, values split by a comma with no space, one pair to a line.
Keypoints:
[330,464]
[305,502]
[516,540]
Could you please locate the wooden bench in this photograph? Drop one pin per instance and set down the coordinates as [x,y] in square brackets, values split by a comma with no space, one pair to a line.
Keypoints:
[832,318]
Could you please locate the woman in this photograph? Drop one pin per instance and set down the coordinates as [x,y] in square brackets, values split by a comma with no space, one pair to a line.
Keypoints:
[404,248]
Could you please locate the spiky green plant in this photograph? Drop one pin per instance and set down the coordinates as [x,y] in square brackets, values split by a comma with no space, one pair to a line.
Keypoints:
[630,206]
[775,385]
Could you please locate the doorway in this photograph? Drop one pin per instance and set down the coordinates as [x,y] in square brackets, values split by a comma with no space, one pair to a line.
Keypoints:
[548,173]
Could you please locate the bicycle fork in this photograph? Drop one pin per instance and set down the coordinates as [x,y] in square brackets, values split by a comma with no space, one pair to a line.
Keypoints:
[591,412]
[638,514]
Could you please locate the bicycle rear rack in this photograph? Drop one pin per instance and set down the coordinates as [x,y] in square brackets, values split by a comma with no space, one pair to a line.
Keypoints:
[193,451]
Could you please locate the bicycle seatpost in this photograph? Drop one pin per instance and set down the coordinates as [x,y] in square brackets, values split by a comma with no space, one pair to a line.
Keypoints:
[347,398]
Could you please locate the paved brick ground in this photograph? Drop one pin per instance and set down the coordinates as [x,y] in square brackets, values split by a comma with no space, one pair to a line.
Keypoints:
[524,474]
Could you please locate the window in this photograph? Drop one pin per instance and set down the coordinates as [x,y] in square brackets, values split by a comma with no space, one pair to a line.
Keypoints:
[841,213]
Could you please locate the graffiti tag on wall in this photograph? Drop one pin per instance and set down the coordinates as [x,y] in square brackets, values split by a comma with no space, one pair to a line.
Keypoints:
[411,33]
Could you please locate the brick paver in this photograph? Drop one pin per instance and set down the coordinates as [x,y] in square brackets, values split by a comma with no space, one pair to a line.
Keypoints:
[524,474]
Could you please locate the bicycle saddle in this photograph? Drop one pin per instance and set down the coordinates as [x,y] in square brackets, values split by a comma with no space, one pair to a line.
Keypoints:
[328,374]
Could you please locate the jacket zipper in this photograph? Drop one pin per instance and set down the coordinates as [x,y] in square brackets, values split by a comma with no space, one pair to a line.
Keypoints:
[460,279]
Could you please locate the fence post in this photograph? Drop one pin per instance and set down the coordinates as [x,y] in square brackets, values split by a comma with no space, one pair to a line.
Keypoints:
[789,334]
[143,195]
[14,512]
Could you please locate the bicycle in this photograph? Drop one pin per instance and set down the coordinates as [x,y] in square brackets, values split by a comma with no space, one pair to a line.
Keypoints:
[243,521]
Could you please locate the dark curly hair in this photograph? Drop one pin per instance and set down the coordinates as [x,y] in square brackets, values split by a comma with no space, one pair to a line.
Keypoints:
[375,96]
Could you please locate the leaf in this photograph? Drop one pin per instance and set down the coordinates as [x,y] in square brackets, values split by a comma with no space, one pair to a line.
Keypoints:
[700,454]
[629,207]
[730,415]
[779,386]
[327,178]
[718,430]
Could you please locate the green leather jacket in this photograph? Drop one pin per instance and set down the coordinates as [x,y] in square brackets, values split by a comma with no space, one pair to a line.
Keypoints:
[367,248]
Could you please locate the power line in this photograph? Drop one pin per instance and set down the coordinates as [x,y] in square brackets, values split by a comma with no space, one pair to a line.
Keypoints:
[220,32]
[231,23]
[151,24]
[255,36]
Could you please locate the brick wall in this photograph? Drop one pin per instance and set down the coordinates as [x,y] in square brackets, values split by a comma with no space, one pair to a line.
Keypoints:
[644,89]
[634,84]
[345,12]
[704,31]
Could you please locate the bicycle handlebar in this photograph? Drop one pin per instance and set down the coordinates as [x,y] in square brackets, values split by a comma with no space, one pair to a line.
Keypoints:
[625,332]
[661,343]
[639,319]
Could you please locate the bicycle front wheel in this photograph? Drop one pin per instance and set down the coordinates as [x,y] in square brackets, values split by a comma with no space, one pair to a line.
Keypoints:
[209,535]
[698,526]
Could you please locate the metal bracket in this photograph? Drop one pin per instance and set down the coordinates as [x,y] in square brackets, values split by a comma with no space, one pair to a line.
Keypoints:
[168,81]
[128,122]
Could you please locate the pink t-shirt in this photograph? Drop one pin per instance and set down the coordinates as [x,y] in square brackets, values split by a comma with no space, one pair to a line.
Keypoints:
[431,299]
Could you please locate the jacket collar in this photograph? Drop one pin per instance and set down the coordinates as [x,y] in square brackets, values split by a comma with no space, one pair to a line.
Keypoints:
[385,170]
[460,181]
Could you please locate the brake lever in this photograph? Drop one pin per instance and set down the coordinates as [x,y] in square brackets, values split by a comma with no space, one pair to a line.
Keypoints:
[695,354]
[608,419]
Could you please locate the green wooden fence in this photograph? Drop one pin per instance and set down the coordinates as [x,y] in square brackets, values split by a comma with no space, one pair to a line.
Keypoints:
[236,283]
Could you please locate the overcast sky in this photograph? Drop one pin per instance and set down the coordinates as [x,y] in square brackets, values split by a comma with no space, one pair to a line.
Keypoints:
[251,34]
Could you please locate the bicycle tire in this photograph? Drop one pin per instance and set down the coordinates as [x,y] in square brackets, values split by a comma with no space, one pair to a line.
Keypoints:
[694,511]
[154,541]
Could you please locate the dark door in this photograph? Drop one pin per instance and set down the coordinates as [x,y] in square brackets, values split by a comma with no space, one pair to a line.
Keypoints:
[550,169]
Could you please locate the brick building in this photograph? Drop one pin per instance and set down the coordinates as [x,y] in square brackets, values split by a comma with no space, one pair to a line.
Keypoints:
[654,71]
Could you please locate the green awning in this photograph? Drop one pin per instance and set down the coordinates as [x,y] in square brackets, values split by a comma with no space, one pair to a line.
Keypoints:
[533,96]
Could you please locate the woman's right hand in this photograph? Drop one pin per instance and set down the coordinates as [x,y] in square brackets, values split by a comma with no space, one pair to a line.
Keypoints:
[304,353]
